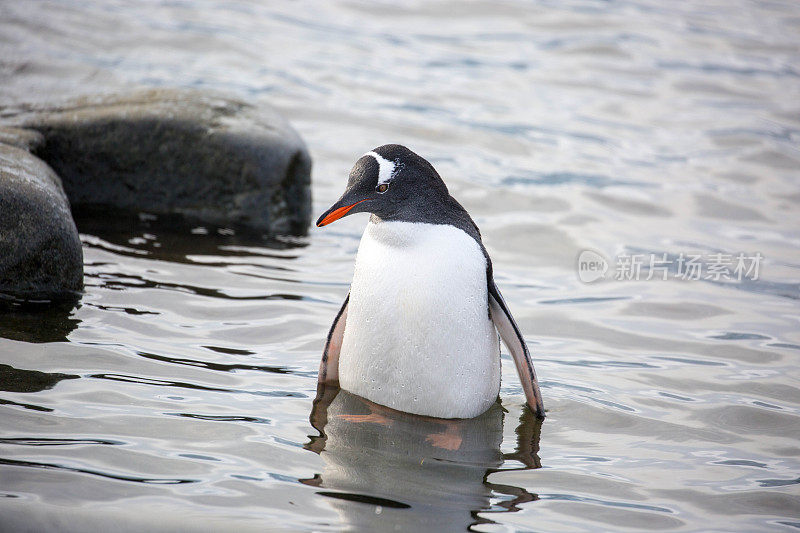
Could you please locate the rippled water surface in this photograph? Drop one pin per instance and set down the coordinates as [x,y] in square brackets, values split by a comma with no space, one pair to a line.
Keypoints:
[178,395]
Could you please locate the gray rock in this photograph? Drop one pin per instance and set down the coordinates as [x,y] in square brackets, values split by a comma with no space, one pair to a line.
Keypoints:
[168,151]
[40,251]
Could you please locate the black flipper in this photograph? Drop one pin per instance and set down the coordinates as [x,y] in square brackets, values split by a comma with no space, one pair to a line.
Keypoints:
[329,366]
[512,338]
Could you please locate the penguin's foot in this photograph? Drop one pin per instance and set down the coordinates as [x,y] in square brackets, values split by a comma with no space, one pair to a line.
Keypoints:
[449,439]
[372,418]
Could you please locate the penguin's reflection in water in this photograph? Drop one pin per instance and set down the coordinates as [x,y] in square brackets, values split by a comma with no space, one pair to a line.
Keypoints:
[386,470]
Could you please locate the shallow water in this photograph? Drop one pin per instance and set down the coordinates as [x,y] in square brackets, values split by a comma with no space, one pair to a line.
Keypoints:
[178,395]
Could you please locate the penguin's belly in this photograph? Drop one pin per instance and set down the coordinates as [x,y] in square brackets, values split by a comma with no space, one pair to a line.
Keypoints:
[418,337]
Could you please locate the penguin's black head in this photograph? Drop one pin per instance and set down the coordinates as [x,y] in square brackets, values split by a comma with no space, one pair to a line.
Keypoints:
[393,183]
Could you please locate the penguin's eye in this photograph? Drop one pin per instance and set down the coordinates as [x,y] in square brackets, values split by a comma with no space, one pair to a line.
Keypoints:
[382,188]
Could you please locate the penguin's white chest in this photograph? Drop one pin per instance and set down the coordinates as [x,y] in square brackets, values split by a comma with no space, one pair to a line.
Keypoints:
[418,337]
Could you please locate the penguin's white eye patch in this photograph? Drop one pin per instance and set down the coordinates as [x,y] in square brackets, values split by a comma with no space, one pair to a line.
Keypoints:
[386,168]
[382,188]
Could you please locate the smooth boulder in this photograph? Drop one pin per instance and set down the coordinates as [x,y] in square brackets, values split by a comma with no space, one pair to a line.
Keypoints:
[40,250]
[203,155]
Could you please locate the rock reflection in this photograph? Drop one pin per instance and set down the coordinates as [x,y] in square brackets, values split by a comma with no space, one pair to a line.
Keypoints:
[174,237]
[37,322]
[388,470]
[18,380]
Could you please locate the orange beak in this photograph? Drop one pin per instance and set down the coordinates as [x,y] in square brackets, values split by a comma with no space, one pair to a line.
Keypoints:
[336,214]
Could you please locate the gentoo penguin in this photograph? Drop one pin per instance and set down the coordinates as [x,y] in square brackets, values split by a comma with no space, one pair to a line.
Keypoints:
[417,331]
